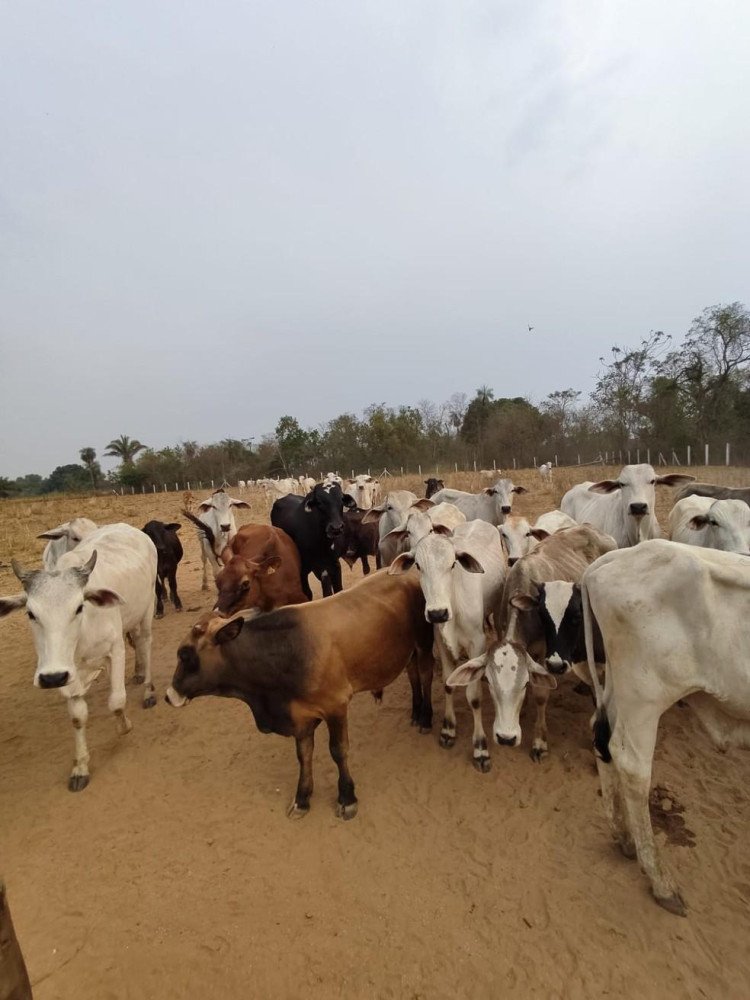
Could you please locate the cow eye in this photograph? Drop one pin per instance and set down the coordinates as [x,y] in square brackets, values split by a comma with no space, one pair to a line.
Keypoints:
[32,616]
[652,482]
[245,585]
[79,609]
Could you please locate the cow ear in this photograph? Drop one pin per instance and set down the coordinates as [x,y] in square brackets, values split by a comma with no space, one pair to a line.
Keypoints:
[226,555]
[401,564]
[699,521]
[103,598]
[349,502]
[309,503]
[398,534]
[54,533]
[519,489]
[423,504]
[442,529]
[173,526]
[230,631]
[605,486]
[541,679]
[206,505]
[467,673]
[468,562]
[84,572]
[524,602]
[239,503]
[489,490]
[9,604]
[674,479]
[539,533]
[373,515]
[270,565]
[22,574]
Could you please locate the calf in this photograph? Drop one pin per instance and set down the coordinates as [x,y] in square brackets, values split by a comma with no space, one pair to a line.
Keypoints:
[461,575]
[168,554]
[524,625]
[515,534]
[363,490]
[216,513]
[545,471]
[78,614]
[433,485]
[389,515]
[359,541]
[261,570]
[622,507]
[314,523]
[713,524]
[674,623]
[64,538]
[298,666]
[491,505]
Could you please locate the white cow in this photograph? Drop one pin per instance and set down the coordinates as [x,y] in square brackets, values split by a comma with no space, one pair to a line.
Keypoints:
[545,471]
[674,623]
[241,485]
[515,533]
[64,538]
[622,507]
[306,484]
[462,575]
[78,613]
[218,513]
[713,524]
[389,515]
[363,489]
[423,517]
[491,505]
[332,477]
[548,524]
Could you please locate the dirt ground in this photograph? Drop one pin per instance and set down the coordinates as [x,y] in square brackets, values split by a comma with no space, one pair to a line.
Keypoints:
[176,873]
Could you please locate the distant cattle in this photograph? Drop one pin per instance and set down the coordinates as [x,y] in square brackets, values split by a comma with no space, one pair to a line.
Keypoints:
[674,623]
[333,477]
[712,524]
[545,471]
[168,553]
[433,485]
[529,632]
[64,538]
[261,570]
[298,666]
[78,614]
[461,574]
[363,489]
[217,512]
[388,515]
[314,523]
[491,505]
[306,483]
[716,492]
[622,507]
[279,487]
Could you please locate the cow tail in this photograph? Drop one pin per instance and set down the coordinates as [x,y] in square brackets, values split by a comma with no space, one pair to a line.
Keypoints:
[203,529]
[602,728]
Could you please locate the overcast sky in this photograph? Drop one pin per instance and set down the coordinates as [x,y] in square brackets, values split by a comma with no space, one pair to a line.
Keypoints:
[214,214]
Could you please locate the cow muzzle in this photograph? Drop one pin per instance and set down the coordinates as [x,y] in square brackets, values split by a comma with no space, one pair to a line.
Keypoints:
[437,616]
[505,741]
[57,679]
[506,508]
[174,699]
[638,509]
[556,665]
[225,528]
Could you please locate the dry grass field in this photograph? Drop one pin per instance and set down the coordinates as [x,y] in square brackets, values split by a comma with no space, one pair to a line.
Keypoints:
[176,873]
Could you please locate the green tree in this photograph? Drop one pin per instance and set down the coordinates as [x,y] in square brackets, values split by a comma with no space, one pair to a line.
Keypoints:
[67,479]
[124,448]
[88,457]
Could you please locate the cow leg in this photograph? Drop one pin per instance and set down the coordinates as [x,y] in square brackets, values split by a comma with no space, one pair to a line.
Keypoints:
[365,565]
[448,729]
[481,755]
[204,556]
[142,644]
[79,714]
[338,744]
[117,695]
[173,588]
[305,746]
[416,692]
[334,571]
[539,748]
[304,582]
[378,558]
[632,756]
[614,807]
[159,597]
[426,668]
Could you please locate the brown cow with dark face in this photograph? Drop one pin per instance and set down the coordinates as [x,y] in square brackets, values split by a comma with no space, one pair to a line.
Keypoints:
[261,570]
[298,666]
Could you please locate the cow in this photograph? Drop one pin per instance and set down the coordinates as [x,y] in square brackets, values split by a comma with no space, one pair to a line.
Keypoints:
[545,471]
[217,512]
[241,485]
[673,622]
[548,524]
[331,478]
[461,574]
[624,507]
[528,629]
[363,489]
[78,613]
[433,485]
[64,538]
[422,518]
[314,523]
[717,492]
[298,666]
[359,541]
[306,483]
[389,515]
[279,487]
[491,505]
[261,570]
[169,553]
[515,534]
[713,524]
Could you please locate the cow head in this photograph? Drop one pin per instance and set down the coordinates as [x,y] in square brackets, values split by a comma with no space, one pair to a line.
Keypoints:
[726,524]
[433,486]
[515,534]
[64,538]
[328,502]
[222,505]
[559,608]
[435,556]
[502,494]
[55,604]
[241,584]
[200,660]
[636,484]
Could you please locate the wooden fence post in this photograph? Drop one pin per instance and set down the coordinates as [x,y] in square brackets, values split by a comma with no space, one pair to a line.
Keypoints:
[726,457]
[706,462]
[688,454]
[14,979]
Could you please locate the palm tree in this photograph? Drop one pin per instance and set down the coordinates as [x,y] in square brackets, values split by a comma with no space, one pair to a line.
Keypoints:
[124,448]
[88,457]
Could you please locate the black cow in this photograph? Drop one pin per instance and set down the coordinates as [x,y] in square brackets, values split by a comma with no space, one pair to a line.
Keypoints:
[359,540]
[433,486]
[169,553]
[315,523]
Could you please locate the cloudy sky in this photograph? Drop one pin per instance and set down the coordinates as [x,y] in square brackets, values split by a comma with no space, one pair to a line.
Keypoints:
[214,214]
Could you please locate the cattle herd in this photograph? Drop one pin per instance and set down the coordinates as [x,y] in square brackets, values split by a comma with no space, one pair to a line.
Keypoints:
[591,588]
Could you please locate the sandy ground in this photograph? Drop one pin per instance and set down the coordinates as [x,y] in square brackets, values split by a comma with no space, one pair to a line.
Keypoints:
[176,873]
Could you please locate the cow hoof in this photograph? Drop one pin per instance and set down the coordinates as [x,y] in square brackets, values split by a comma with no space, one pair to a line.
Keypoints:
[159,614]
[77,782]
[627,849]
[673,904]
[150,700]
[296,811]
[178,608]
[483,764]
[447,740]
[139,678]
[346,812]
[538,754]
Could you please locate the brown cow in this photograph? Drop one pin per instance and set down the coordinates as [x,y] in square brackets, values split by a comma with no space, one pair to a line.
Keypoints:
[261,570]
[298,666]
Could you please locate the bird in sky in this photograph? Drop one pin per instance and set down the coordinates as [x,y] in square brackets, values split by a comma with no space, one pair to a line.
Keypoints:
[530,329]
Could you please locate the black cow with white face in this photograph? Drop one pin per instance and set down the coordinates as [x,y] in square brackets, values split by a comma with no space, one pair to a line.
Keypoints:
[315,523]
[559,610]
[169,554]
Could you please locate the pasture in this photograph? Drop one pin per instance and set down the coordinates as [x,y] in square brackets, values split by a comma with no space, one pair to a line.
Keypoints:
[177,874]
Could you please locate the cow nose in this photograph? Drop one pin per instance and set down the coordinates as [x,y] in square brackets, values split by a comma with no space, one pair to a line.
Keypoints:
[506,508]
[335,529]
[555,665]
[437,615]
[225,527]
[505,741]
[512,560]
[638,509]
[57,680]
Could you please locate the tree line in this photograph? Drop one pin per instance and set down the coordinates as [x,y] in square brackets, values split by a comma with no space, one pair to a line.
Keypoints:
[659,394]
